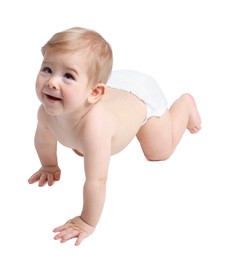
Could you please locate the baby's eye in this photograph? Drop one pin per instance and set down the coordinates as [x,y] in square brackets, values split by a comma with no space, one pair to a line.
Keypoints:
[47,70]
[69,76]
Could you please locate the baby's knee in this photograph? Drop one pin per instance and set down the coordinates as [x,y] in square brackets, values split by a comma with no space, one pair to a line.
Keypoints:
[157,157]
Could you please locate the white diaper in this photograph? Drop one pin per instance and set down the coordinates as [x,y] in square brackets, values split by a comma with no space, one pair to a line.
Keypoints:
[143,86]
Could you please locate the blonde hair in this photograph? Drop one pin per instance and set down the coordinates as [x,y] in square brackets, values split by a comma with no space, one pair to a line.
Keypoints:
[99,57]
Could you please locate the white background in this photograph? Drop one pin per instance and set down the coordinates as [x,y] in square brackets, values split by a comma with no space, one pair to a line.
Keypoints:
[177,209]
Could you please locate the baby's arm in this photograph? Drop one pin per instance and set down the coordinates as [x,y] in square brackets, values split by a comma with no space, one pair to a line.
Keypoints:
[96,168]
[93,200]
[97,149]
[46,146]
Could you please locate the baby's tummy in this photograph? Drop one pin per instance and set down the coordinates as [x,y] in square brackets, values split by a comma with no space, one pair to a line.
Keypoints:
[130,120]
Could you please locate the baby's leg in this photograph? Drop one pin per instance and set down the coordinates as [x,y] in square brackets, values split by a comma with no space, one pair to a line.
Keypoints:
[160,135]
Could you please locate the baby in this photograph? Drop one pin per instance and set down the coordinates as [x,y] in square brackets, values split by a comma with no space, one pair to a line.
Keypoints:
[97,113]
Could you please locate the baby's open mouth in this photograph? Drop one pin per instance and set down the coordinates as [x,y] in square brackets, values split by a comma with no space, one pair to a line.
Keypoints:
[53,98]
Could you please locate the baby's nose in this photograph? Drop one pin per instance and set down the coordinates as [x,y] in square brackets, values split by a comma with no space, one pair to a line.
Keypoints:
[52,84]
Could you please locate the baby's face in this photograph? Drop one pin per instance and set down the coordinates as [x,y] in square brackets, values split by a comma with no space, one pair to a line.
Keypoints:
[62,82]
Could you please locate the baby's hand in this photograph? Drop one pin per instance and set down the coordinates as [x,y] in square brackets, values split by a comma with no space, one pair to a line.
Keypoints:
[48,174]
[75,227]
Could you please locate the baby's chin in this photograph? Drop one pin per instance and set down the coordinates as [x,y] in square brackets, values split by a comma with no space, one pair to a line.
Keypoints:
[51,111]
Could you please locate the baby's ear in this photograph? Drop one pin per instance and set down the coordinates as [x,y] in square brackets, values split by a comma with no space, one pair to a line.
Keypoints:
[97,93]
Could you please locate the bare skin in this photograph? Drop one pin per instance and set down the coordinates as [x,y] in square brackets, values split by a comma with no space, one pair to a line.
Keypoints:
[160,135]
[97,122]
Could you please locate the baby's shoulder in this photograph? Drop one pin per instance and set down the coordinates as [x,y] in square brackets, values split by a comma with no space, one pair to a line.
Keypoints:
[99,114]
[100,117]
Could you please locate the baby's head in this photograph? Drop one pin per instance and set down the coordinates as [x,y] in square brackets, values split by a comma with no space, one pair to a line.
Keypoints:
[99,52]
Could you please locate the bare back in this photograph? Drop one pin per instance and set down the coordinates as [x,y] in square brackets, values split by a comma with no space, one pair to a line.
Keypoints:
[129,112]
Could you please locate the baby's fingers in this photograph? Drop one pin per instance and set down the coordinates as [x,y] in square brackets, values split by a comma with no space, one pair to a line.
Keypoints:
[42,180]
[60,228]
[80,238]
[50,179]
[35,177]
[57,175]
[66,233]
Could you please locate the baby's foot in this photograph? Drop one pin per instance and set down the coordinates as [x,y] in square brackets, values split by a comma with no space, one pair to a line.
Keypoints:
[194,123]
